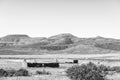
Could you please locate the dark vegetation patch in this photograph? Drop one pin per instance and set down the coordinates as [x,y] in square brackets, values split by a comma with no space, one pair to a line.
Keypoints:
[42,72]
[53,47]
[46,47]
[111,46]
[11,73]
[21,72]
[90,71]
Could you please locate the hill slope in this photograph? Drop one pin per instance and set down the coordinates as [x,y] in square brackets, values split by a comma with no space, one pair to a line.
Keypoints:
[61,43]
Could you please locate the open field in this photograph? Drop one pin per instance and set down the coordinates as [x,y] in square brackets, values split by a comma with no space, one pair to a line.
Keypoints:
[43,77]
[53,77]
[66,56]
[116,76]
[16,61]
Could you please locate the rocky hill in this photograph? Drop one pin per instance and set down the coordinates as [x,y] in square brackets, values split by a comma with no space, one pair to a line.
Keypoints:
[61,43]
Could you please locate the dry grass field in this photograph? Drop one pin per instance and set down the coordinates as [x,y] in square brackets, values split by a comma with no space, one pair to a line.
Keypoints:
[54,77]
[116,76]
[43,77]
[15,61]
[65,56]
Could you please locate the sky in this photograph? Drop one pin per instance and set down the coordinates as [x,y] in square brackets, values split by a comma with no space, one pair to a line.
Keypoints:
[44,18]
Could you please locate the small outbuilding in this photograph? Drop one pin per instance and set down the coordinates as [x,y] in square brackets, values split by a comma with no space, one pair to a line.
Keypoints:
[75,61]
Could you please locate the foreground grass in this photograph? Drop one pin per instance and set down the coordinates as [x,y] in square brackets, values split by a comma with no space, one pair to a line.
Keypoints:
[116,76]
[40,77]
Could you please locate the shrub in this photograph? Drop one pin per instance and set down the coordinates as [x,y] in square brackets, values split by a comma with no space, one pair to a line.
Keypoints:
[42,72]
[116,68]
[85,72]
[3,73]
[22,72]
[11,73]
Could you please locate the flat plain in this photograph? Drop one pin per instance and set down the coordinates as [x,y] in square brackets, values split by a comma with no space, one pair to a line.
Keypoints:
[111,59]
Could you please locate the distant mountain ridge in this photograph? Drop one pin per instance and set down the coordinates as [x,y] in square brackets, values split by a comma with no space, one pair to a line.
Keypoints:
[62,43]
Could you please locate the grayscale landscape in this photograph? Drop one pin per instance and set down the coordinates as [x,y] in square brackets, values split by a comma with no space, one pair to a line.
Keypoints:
[59,39]
[18,51]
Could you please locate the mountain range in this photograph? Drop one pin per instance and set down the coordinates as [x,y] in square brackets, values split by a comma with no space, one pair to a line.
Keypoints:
[67,43]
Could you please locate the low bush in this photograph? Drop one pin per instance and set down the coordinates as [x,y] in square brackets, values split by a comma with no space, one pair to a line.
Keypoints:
[85,72]
[22,72]
[116,68]
[11,73]
[3,73]
[43,72]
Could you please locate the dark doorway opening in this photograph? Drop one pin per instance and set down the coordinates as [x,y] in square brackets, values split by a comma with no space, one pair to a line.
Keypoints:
[75,61]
